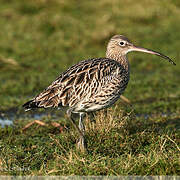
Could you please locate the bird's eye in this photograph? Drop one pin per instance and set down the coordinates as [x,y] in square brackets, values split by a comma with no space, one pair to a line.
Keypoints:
[122,43]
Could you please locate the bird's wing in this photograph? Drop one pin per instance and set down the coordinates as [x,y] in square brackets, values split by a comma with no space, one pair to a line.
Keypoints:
[79,81]
[108,83]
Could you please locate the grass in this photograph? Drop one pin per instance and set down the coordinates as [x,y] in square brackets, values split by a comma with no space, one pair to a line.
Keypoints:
[115,146]
[41,38]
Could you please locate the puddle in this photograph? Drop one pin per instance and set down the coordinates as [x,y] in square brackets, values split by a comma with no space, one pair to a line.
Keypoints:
[148,116]
[7,118]
[5,122]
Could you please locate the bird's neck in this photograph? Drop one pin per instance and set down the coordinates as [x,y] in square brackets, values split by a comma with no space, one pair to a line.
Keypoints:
[122,59]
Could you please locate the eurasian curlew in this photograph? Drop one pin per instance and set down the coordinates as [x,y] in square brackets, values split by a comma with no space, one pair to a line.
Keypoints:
[91,84]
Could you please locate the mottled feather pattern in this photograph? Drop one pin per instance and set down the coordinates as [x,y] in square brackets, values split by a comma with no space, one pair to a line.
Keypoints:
[93,83]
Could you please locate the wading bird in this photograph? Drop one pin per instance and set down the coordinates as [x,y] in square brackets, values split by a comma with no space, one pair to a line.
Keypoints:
[91,84]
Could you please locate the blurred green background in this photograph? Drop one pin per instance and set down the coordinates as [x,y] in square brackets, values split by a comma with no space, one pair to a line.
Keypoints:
[39,39]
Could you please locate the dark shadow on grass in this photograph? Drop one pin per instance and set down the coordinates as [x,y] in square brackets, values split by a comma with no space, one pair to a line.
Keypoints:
[153,99]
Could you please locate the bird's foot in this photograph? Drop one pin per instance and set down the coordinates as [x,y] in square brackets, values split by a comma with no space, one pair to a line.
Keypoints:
[81,144]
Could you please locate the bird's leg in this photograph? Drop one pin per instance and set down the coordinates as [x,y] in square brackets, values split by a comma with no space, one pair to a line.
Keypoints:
[69,113]
[81,124]
[80,143]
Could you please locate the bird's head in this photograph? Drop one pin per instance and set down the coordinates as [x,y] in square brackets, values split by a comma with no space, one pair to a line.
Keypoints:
[119,46]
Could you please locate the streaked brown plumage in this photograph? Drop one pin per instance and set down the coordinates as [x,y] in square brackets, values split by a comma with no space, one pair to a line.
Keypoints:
[88,86]
[91,84]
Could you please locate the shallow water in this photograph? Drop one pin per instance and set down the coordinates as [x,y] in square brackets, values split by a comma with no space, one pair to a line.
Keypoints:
[5,122]
[148,116]
[7,118]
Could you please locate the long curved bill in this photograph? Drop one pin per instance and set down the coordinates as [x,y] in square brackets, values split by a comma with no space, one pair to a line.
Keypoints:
[140,49]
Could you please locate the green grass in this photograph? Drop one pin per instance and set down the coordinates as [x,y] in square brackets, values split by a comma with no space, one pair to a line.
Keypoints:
[41,38]
[115,146]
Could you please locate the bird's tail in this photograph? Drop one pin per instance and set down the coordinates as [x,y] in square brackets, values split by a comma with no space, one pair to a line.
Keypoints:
[48,98]
[30,105]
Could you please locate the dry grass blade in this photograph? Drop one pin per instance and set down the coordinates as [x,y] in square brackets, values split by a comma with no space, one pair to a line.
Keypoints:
[173,142]
[106,120]
[126,100]
[40,123]
[9,61]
